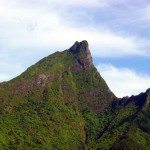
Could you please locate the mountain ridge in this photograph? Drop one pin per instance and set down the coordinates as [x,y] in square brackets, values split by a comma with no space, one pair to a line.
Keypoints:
[62,102]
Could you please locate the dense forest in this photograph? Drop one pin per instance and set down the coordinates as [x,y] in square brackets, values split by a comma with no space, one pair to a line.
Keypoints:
[63,103]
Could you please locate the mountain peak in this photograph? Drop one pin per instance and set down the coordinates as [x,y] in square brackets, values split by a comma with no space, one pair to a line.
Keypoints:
[78,46]
[82,53]
[63,99]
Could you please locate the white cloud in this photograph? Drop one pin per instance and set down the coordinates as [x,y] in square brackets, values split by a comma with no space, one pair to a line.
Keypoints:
[9,70]
[31,31]
[64,3]
[124,81]
[35,27]
[75,2]
[83,3]
[4,77]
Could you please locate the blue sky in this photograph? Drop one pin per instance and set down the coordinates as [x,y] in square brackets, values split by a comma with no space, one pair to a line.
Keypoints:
[118,32]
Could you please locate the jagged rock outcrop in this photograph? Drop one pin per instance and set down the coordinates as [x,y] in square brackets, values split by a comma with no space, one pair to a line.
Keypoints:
[82,53]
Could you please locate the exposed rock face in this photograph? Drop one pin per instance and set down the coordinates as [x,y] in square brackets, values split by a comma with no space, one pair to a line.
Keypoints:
[42,78]
[82,53]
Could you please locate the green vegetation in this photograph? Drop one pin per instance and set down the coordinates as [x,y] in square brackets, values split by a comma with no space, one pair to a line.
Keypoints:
[49,125]
[62,103]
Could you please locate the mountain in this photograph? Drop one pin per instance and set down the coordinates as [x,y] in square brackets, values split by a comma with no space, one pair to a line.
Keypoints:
[62,102]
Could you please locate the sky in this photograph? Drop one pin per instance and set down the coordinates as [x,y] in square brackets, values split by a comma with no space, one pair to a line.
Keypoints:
[118,33]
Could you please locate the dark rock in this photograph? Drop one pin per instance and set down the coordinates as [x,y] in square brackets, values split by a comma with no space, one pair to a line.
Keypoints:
[148,91]
[82,53]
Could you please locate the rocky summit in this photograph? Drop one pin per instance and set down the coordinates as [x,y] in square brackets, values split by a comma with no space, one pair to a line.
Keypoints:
[81,49]
[62,102]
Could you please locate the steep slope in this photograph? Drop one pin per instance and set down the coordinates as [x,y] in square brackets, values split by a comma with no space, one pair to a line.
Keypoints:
[137,134]
[128,125]
[68,76]
[47,105]
[63,103]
